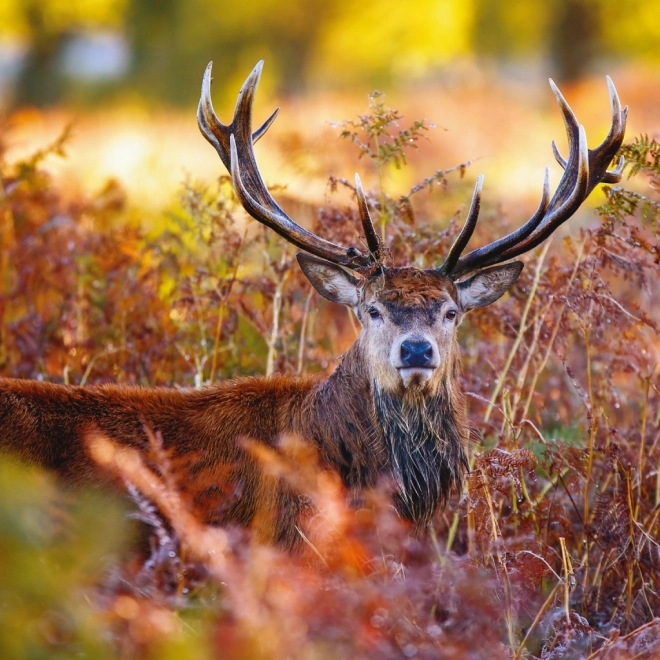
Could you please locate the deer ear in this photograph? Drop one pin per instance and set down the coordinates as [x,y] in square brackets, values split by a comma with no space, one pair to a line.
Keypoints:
[487,285]
[330,280]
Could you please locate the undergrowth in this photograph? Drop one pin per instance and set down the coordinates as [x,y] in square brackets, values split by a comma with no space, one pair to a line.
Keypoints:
[551,549]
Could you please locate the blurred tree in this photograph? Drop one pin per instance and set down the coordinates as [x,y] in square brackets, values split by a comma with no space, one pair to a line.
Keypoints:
[574,37]
[40,81]
[174,40]
[566,32]
[511,30]
[573,34]
[46,26]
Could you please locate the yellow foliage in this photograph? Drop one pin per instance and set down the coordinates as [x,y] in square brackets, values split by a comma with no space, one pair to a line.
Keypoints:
[632,27]
[394,39]
[12,20]
[17,16]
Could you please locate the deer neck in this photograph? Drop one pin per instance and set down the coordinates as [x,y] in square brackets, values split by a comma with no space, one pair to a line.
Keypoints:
[424,436]
[417,438]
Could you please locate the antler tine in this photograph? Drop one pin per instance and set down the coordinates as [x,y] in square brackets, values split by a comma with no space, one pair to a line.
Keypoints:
[602,156]
[234,145]
[213,129]
[583,170]
[466,232]
[573,133]
[546,222]
[507,241]
[373,240]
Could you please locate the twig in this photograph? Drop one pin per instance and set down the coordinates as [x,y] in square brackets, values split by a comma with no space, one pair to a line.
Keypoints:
[275,327]
[619,306]
[624,638]
[94,358]
[221,313]
[535,623]
[439,175]
[519,336]
[555,330]
[303,332]
[568,578]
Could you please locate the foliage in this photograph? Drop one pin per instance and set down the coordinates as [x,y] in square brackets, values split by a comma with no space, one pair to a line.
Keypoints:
[378,142]
[377,41]
[550,551]
[53,547]
[642,156]
[377,137]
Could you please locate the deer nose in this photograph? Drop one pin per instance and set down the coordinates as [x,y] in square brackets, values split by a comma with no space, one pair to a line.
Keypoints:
[416,354]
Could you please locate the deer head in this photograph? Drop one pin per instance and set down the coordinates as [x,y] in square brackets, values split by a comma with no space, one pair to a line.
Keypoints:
[409,316]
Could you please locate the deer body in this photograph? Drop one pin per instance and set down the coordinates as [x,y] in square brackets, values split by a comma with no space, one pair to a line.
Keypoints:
[393,408]
[51,424]
[364,430]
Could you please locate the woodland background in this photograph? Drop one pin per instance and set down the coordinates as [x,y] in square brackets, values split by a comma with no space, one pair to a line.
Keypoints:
[124,258]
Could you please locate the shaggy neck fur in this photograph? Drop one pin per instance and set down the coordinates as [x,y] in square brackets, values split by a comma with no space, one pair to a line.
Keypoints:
[424,437]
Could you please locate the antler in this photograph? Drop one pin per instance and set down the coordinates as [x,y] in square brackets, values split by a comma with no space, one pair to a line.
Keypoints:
[583,171]
[234,145]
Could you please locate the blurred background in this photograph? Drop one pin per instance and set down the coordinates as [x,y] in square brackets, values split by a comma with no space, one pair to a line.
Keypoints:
[126,74]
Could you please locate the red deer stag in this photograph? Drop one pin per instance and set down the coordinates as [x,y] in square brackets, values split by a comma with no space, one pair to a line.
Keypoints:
[393,407]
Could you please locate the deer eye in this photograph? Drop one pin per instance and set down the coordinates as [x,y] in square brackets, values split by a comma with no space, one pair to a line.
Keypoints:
[451,314]
[373,312]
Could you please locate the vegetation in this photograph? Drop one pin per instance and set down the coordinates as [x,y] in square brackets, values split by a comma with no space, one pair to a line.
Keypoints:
[642,157]
[366,42]
[551,550]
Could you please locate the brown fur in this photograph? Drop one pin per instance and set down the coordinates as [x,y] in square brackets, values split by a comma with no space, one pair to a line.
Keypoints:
[415,288]
[47,424]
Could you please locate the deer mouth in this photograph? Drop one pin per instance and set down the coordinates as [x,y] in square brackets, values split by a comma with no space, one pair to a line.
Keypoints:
[415,376]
